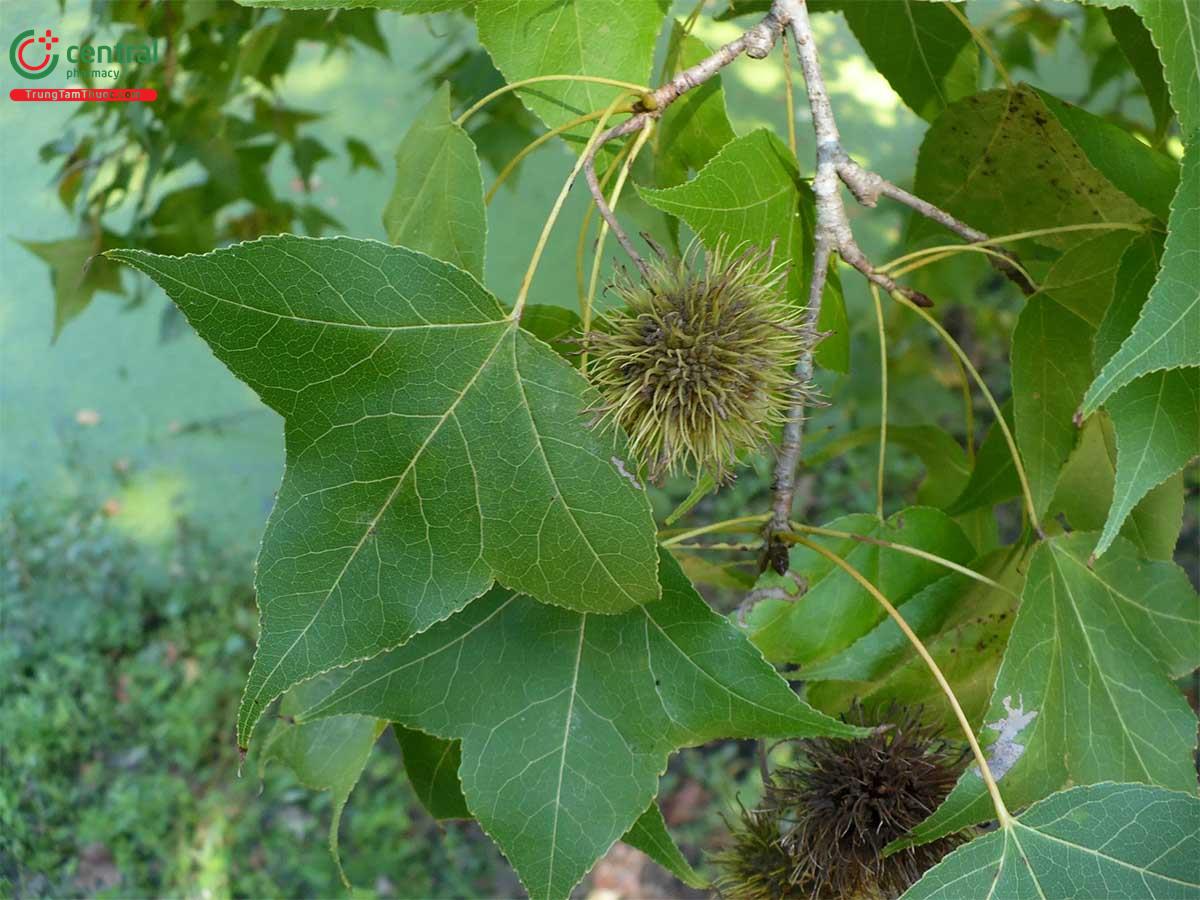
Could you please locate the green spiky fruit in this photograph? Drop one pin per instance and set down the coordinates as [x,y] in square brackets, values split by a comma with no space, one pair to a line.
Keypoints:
[755,865]
[697,364]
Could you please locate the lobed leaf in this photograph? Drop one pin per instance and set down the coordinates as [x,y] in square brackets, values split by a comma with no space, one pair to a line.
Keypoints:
[436,205]
[1167,333]
[1175,29]
[1083,279]
[649,834]
[432,766]
[77,271]
[1086,488]
[994,477]
[1137,45]
[965,626]
[1003,161]
[432,447]
[1157,425]
[1140,172]
[566,719]
[1104,840]
[1084,694]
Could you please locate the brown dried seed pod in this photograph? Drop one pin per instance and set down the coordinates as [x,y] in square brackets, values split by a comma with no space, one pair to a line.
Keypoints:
[848,799]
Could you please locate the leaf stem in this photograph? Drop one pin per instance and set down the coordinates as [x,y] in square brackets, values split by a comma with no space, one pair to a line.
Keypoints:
[1003,426]
[1016,236]
[629,86]
[537,142]
[523,293]
[899,548]
[581,244]
[789,99]
[883,402]
[984,44]
[1002,813]
[586,313]
[968,410]
[936,254]
[727,525]
[677,543]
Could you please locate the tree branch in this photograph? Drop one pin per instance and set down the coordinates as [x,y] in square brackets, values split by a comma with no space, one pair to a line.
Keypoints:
[756,43]
[833,234]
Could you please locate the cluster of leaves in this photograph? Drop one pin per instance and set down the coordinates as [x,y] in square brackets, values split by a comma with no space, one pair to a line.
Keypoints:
[190,170]
[455,550]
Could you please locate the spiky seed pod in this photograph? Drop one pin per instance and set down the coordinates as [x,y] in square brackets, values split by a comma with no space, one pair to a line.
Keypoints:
[696,365]
[848,799]
[755,865]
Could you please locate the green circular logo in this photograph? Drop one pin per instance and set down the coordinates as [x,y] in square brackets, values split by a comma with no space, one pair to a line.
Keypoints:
[23,55]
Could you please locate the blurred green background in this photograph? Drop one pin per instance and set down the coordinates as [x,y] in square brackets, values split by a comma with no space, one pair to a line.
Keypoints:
[137,474]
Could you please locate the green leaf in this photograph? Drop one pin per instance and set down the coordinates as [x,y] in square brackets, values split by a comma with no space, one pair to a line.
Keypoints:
[77,271]
[1151,442]
[1051,368]
[751,193]
[1083,278]
[605,38]
[361,156]
[994,478]
[817,609]
[1084,693]
[432,446]
[557,326]
[729,576]
[1104,840]
[696,126]
[649,834]
[567,719]
[437,204]
[1002,161]
[1140,172]
[1157,423]
[328,755]
[1167,334]
[1134,278]
[924,51]
[965,626]
[1136,44]
[432,767]
[1175,28]
[1086,489]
